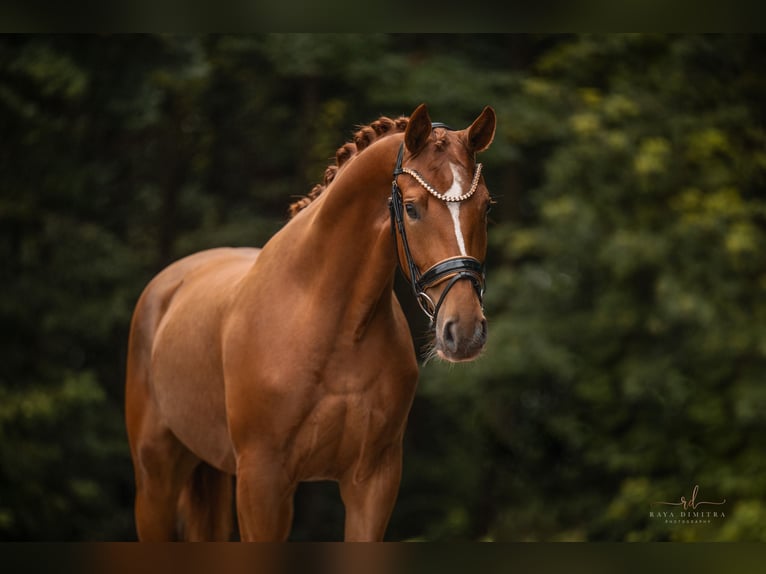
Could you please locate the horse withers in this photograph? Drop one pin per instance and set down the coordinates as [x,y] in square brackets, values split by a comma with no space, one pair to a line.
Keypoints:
[294,362]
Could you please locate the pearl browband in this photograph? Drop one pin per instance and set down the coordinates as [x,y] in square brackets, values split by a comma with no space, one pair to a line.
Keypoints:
[443,197]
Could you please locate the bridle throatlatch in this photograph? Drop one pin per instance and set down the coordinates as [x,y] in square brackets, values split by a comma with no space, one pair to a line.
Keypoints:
[452,269]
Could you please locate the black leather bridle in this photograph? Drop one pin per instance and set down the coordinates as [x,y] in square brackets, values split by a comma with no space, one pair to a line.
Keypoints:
[452,269]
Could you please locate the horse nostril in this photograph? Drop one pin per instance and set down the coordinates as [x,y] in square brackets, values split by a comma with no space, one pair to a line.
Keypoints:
[449,335]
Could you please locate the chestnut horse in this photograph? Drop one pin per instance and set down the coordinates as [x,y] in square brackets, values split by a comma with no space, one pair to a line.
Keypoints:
[294,362]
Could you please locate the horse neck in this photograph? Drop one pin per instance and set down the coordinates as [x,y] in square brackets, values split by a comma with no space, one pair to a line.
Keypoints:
[346,235]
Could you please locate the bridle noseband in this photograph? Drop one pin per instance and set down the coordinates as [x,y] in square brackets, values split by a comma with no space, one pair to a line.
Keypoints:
[452,269]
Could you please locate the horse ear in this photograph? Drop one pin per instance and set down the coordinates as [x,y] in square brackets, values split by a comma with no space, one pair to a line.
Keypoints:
[482,130]
[418,129]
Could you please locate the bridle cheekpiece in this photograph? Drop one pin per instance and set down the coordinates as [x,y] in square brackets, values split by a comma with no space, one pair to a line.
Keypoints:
[452,269]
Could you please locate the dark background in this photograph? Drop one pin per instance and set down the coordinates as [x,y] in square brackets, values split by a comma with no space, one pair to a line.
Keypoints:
[627,353]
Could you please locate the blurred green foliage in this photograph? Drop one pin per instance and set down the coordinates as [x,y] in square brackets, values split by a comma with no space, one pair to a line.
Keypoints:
[627,266]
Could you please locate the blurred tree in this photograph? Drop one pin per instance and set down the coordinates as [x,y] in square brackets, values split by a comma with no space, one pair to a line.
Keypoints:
[56,258]
[627,356]
[83,211]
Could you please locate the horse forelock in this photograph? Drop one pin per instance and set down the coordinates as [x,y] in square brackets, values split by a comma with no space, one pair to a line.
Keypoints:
[364,136]
[440,139]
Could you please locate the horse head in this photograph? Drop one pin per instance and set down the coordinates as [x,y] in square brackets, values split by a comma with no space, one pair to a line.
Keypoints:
[439,206]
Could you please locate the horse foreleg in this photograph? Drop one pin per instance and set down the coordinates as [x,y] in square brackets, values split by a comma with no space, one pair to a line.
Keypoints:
[264,499]
[370,501]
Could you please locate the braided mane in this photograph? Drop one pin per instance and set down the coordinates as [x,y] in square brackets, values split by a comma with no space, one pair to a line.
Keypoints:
[381,127]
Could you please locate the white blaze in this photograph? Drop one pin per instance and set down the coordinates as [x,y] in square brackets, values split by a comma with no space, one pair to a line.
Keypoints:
[454,206]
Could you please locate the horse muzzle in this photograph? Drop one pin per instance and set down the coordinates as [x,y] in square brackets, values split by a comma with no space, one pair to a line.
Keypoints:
[460,328]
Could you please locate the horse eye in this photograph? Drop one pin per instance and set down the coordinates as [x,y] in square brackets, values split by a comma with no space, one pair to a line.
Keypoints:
[411,210]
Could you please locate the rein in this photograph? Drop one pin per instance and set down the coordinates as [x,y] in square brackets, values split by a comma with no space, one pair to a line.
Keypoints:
[452,269]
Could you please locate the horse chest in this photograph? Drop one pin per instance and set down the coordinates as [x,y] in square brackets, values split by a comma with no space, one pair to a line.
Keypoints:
[345,432]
